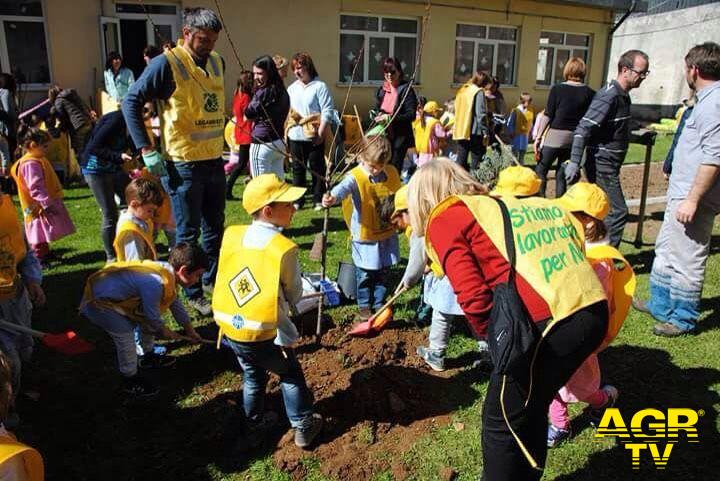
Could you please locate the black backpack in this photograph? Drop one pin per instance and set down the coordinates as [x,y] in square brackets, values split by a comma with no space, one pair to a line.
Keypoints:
[512,336]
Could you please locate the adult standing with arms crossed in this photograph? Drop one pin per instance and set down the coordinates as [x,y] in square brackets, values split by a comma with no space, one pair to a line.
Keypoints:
[605,131]
[187,81]
[693,202]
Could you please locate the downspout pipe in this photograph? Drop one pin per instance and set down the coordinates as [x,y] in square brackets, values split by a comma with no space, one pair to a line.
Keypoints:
[606,67]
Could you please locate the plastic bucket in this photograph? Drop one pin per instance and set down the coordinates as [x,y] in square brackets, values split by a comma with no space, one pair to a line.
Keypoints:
[346,280]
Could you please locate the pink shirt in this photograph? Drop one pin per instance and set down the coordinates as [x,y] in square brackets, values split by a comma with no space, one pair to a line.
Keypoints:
[390,99]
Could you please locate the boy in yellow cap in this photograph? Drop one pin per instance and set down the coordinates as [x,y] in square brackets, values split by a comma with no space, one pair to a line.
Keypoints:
[589,204]
[258,279]
[516,181]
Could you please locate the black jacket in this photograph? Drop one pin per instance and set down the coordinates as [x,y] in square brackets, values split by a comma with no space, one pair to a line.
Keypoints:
[71,110]
[400,133]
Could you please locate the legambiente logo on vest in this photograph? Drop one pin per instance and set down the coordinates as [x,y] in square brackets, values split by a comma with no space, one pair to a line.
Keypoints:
[652,433]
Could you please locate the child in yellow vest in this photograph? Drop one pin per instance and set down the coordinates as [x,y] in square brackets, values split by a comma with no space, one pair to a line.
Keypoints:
[40,192]
[20,288]
[363,192]
[123,295]
[590,205]
[428,132]
[18,462]
[258,279]
[520,123]
[134,239]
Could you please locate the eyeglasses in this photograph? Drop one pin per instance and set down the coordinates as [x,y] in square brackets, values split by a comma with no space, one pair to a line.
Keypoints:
[640,74]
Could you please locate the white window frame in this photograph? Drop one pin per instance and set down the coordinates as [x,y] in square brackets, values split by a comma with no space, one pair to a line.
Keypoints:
[380,34]
[563,46]
[104,21]
[5,56]
[486,41]
[158,19]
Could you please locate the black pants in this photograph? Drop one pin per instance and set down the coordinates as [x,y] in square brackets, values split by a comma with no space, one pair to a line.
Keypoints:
[606,174]
[548,156]
[567,345]
[304,155]
[240,168]
[474,146]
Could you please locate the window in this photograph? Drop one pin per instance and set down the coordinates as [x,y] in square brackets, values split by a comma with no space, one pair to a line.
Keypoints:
[555,50]
[23,46]
[484,47]
[379,37]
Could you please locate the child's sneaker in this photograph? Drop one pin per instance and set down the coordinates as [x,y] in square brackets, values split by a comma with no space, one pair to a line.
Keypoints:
[432,358]
[201,305]
[309,428]
[556,435]
[364,314]
[139,388]
[154,361]
[596,414]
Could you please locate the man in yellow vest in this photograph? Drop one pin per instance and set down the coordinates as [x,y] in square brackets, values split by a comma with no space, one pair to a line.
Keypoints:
[187,82]
[259,277]
[123,295]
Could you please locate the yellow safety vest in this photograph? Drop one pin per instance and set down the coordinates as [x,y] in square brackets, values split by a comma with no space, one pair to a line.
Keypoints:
[193,117]
[32,209]
[245,301]
[132,307]
[127,227]
[523,120]
[10,447]
[548,247]
[372,228]
[12,247]
[464,101]
[423,134]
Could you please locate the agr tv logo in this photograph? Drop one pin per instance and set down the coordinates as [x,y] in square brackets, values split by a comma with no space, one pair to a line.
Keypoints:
[651,429]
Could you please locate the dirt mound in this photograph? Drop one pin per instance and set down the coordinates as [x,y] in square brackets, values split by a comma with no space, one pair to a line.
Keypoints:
[377,398]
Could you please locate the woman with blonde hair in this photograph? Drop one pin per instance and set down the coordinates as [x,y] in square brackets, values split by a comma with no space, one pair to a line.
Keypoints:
[535,287]
[567,103]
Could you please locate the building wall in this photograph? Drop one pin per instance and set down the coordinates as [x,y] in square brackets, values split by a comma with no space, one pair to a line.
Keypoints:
[288,26]
[666,38]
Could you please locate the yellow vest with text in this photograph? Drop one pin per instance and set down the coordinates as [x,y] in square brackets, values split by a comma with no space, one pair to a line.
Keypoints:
[464,102]
[32,209]
[423,134]
[523,120]
[245,301]
[132,307]
[372,195]
[32,460]
[193,118]
[127,227]
[548,249]
[12,247]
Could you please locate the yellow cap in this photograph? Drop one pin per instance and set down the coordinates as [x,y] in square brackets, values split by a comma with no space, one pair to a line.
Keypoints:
[588,198]
[431,107]
[518,181]
[401,200]
[266,189]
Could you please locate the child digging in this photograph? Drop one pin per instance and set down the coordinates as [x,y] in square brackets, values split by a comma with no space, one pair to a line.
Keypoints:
[125,294]
[258,279]
[40,192]
[374,245]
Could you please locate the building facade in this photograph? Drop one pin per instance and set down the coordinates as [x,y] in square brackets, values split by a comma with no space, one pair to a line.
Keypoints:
[524,42]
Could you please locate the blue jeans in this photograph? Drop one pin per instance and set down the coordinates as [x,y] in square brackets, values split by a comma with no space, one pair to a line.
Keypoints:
[371,287]
[256,359]
[197,195]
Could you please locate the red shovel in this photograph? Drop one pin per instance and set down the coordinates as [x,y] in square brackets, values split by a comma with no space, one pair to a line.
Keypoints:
[379,319]
[68,343]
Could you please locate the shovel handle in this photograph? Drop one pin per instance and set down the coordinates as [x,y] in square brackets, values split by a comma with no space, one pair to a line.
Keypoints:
[387,304]
[23,329]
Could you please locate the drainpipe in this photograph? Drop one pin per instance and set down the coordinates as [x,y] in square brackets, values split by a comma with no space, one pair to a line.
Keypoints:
[606,67]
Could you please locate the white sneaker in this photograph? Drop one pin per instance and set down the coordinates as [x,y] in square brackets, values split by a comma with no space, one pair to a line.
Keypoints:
[318,207]
[201,305]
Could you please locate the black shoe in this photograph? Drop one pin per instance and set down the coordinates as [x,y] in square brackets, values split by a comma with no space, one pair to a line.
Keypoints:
[155,361]
[640,305]
[139,388]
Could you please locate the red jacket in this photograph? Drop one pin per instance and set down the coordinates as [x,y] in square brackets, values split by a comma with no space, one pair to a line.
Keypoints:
[243,127]
[475,266]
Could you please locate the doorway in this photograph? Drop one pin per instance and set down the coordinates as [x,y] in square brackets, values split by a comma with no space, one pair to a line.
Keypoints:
[133,38]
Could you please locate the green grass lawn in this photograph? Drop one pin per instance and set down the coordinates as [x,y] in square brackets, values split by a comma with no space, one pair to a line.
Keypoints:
[86,431]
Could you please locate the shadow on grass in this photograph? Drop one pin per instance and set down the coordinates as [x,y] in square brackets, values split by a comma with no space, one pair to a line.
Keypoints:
[335,224]
[649,379]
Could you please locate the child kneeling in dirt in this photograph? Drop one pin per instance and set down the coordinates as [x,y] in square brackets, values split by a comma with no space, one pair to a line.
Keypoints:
[258,276]
[375,246]
[124,294]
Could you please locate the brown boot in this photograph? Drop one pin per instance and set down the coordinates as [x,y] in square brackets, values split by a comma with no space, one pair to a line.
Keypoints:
[363,314]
